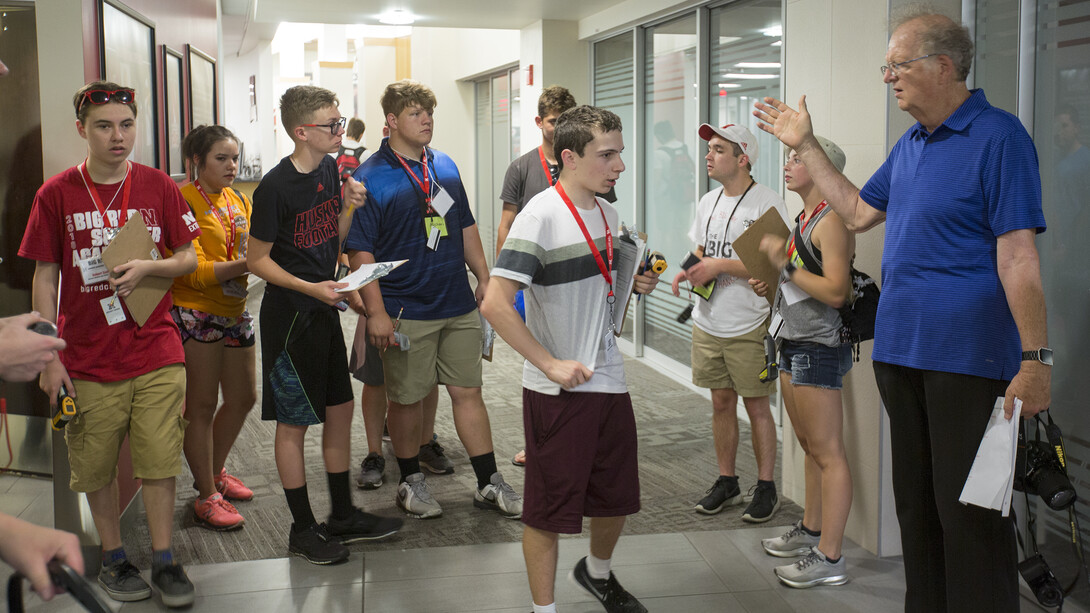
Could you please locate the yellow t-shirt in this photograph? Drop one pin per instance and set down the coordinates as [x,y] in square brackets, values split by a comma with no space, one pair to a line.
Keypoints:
[227,220]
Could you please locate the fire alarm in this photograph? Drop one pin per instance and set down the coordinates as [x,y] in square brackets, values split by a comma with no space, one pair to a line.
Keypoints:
[530,74]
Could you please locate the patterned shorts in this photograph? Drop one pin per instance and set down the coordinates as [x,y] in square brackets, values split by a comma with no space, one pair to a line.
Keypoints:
[207,328]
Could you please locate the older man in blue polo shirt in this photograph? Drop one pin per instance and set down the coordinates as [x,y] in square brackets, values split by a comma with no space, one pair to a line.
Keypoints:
[962,315]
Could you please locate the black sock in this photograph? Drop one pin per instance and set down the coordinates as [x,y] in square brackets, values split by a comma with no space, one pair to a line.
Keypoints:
[113,555]
[831,561]
[484,466]
[162,558]
[340,495]
[811,532]
[299,504]
[771,484]
[408,466]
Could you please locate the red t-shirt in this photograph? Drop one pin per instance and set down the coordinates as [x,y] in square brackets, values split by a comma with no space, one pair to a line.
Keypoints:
[64,227]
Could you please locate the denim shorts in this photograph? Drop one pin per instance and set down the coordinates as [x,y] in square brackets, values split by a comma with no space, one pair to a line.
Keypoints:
[815,364]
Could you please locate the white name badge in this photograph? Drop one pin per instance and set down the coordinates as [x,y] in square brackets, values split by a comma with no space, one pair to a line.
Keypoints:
[93,270]
[775,325]
[609,342]
[233,289]
[111,307]
[433,238]
[442,202]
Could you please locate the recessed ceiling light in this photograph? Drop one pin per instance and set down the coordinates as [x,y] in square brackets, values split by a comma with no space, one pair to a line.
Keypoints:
[757,65]
[397,17]
[738,75]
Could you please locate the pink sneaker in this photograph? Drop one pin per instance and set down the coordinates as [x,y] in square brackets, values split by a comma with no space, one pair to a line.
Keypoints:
[231,487]
[217,514]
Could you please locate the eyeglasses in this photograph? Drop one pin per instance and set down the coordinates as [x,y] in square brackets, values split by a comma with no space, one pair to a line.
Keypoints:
[894,68]
[336,126]
[102,96]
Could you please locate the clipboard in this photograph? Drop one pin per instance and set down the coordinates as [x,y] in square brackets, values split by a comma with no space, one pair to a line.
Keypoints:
[133,242]
[748,248]
[628,254]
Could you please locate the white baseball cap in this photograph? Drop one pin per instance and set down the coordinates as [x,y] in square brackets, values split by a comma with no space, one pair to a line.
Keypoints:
[735,134]
[835,153]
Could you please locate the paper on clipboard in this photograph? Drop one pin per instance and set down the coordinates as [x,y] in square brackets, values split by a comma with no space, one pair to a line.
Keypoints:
[368,273]
[748,248]
[133,242]
[627,257]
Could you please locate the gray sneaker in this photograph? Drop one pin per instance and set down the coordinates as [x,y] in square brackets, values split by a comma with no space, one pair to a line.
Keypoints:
[122,582]
[813,570]
[433,458]
[723,493]
[174,586]
[499,496]
[793,543]
[371,471]
[414,498]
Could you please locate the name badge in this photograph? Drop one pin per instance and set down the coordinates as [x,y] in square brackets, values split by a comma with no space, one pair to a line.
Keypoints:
[775,325]
[111,308]
[436,222]
[93,270]
[442,201]
[433,238]
[234,289]
[609,341]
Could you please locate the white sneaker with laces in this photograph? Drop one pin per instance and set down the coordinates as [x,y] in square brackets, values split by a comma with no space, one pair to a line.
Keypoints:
[499,496]
[414,498]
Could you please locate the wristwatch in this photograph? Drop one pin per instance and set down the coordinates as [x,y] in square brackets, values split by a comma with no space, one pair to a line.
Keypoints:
[789,268]
[1042,355]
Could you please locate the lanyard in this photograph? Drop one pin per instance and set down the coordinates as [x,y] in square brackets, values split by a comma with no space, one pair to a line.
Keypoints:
[791,243]
[425,185]
[602,266]
[93,193]
[229,236]
[545,165]
[726,226]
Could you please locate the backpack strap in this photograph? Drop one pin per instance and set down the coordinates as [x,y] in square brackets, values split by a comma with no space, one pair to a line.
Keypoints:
[803,249]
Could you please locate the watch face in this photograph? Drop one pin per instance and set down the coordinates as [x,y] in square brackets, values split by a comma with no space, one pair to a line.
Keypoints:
[1045,356]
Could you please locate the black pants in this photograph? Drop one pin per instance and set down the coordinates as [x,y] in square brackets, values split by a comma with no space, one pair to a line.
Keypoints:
[957,557]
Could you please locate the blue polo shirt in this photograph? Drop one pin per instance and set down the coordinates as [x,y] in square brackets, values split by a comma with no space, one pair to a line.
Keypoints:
[432,284]
[947,195]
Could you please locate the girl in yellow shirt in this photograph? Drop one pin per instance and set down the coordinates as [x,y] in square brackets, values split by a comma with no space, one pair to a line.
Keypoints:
[217,331]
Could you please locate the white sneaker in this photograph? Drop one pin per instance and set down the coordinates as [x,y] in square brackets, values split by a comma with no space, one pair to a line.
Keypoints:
[499,496]
[814,569]
[795,542]
[414,498]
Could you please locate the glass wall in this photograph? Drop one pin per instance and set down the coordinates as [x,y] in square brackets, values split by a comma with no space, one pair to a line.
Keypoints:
[702,65]
[1053,79]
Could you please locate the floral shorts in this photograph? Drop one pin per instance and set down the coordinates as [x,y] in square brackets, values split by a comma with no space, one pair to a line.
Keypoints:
[207,328]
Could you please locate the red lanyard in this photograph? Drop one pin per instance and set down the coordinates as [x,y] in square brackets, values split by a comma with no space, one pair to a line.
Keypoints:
[125,188]
[791,243]
[545,165]
[425,185]
[590,241]
[229,236]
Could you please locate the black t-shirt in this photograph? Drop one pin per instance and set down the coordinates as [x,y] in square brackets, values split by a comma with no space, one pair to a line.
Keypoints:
[297,213]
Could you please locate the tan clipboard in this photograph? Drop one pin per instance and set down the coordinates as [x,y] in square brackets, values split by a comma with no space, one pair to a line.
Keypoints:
[133,242]
[748,248]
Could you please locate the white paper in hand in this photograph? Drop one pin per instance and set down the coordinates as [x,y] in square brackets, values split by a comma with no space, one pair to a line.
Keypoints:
[991,479]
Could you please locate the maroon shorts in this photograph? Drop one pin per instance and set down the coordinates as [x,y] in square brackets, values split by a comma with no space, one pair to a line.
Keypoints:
[580,459]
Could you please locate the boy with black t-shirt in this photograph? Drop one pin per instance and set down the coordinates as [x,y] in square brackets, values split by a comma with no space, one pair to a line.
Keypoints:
[297,227]
[128,379]
[580,429]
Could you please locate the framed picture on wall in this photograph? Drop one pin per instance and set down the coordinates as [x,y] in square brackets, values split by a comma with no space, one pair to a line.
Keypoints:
[202,87]
[128,59]
[174,92]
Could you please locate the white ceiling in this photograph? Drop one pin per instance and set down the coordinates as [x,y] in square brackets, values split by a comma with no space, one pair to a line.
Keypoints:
[247,22]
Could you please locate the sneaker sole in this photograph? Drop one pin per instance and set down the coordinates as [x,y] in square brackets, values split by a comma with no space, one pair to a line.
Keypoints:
[802,585]
[488,506]
[181,600]
[746,517]
[319,562]
[210,526]
[348,540]
[729,502]
[126,596]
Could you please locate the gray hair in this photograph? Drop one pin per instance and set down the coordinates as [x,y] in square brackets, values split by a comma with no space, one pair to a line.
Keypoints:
[938,34]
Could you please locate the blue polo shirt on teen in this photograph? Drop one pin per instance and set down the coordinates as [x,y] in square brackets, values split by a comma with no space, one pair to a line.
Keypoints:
[947,196]
[432,284]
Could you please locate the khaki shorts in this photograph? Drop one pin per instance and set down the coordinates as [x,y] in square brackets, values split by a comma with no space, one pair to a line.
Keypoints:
[731,363]
[148,408]
[446,351]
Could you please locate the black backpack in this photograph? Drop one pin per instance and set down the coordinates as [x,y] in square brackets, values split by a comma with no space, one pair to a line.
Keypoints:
[861,311]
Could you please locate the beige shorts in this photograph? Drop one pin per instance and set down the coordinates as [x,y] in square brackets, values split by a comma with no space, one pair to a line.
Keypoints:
[446,351]
[147,408]
[731,363]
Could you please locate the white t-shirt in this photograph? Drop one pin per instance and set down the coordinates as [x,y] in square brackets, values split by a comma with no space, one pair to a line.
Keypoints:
[733,309]
[566,310]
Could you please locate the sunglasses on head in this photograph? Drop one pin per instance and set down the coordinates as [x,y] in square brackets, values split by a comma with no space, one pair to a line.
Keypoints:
[102,96]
